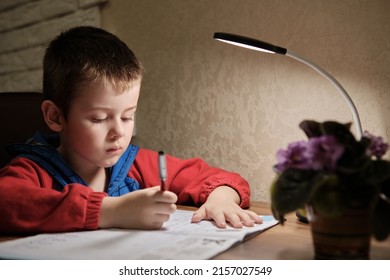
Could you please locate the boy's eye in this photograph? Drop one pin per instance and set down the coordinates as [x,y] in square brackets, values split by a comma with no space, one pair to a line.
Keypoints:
[98,120]
[126,119]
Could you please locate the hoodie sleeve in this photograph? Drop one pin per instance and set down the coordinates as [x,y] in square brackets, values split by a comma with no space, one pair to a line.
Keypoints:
[191,179]
[28,204]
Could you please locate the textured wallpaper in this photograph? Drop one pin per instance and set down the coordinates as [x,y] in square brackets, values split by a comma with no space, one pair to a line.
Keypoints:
[235,107]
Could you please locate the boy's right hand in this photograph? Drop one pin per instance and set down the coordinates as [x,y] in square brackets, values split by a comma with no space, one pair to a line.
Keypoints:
[144,209]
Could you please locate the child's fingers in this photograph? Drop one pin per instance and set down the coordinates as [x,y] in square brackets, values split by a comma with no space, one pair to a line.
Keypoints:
[219,219]
[249,218]
[198,215]
[163,196]
[235,220]
[256,218]
[166,197]
[165,208]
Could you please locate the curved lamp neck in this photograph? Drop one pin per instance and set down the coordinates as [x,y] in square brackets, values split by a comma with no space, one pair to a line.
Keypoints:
[347,98]
[262,46]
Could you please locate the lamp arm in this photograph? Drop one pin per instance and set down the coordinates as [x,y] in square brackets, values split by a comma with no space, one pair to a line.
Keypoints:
[343,92]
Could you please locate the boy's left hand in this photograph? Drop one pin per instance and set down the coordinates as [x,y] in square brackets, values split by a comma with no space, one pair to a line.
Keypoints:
[222,207]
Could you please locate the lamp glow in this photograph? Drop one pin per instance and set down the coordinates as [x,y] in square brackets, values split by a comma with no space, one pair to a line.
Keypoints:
[258,45]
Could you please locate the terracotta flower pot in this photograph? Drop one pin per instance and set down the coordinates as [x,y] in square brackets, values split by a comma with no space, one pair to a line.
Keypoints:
[342,237]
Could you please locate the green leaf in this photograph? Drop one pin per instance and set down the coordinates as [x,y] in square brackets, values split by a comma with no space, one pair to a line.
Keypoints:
[377,172]
[381,221]
[327,197]
[277,215]
[385,187]
[291,190]
[340,131]
[311,128]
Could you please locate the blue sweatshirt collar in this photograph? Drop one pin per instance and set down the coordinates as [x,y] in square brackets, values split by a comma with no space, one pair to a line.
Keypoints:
[42,150]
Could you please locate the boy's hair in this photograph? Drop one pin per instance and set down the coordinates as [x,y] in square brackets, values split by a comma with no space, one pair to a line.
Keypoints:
[86,55]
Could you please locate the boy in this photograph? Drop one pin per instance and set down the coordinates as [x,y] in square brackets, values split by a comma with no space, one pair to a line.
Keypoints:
[88,176]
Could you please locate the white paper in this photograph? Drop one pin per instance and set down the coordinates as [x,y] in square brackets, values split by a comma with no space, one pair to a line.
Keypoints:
[178,239]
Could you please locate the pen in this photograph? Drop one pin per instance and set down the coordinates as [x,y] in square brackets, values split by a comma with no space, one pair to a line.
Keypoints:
[162,167]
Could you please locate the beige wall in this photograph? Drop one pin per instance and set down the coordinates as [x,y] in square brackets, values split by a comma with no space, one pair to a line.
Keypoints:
[234,107]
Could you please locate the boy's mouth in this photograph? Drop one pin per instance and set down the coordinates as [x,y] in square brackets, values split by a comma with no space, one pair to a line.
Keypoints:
[114,150]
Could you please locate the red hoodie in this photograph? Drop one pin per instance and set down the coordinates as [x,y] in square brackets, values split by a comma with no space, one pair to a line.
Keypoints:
[29,204]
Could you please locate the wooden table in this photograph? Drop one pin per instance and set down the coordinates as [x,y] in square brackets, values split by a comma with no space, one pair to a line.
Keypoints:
[292,241]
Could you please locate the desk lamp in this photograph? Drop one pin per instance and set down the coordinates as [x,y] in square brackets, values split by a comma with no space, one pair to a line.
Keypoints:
[258,45]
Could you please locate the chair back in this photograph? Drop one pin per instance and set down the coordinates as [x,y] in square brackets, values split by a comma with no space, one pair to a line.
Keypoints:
[20,118]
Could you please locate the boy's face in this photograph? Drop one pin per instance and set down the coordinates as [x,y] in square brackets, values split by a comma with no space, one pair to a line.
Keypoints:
[99,126]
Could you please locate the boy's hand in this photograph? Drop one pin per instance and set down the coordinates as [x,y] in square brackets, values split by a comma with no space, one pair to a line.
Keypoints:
[222,207]
[144,209]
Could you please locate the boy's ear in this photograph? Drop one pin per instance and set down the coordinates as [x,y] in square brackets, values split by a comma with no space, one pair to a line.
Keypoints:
[52,115]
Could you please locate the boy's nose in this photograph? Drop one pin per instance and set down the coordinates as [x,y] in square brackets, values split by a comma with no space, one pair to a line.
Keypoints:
[117,130]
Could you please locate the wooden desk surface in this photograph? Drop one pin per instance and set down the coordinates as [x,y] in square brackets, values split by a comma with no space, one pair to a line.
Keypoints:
[292,241]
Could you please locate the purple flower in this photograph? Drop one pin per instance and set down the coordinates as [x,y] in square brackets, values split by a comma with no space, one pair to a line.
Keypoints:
[377,147]
[319,153]
[294,156]
[324,152]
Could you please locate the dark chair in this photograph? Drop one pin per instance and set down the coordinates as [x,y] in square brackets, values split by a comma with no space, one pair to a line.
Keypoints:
[20,117]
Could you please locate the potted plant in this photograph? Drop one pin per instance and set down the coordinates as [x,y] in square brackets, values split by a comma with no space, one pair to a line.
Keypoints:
[333,175]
